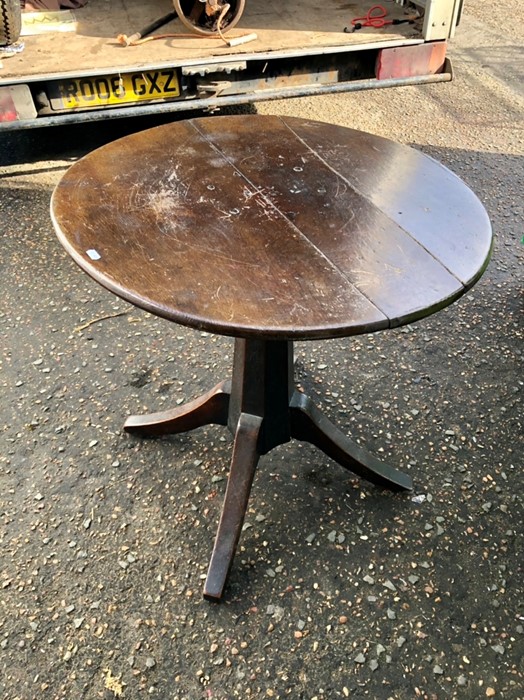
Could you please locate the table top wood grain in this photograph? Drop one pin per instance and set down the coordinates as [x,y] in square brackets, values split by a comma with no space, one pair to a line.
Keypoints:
[272,227]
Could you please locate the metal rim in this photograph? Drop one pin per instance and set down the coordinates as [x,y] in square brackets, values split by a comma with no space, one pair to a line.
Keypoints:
[193,16]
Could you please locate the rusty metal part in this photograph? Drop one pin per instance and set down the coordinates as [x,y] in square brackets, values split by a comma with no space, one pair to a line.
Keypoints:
[209,17]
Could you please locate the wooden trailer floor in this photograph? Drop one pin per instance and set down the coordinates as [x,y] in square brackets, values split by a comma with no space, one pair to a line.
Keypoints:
[282,26]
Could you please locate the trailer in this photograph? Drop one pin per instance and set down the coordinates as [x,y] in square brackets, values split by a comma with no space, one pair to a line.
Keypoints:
[113,59]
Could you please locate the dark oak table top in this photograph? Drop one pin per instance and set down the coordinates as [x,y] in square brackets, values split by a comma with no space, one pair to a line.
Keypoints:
[272,227]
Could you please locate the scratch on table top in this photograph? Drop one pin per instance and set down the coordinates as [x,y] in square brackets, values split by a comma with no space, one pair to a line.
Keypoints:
[174,175]
[213,254]
[267,210]
[349,220]
[338,191]
[165,199]
[248,194]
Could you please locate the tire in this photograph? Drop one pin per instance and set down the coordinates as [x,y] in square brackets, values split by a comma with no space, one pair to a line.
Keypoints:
[200,23]
[10,21]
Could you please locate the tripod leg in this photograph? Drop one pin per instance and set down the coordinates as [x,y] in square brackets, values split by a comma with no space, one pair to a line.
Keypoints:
[211,407]
[311,425]
[243,465]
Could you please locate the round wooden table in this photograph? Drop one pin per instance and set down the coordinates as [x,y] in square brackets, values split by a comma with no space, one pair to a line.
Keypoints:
[270,229]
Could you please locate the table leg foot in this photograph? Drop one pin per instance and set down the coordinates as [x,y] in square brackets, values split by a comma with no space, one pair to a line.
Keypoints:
[311,425]
[243,466]
[212,407]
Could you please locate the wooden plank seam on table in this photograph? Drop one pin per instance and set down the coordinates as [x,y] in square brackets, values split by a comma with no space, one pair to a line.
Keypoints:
[385,263]
[272,226]
[429,202]
[314,282]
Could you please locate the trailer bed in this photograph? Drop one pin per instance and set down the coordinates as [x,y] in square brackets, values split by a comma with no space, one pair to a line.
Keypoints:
[282,28]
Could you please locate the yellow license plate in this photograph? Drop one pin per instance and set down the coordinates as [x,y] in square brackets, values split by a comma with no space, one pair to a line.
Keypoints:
[99,91]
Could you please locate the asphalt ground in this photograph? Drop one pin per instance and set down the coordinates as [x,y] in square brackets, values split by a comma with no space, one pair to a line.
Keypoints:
[338,589]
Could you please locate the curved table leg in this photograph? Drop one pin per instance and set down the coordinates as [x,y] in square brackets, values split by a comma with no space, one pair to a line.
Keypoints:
[309,424]
[243,465]
[212,407]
